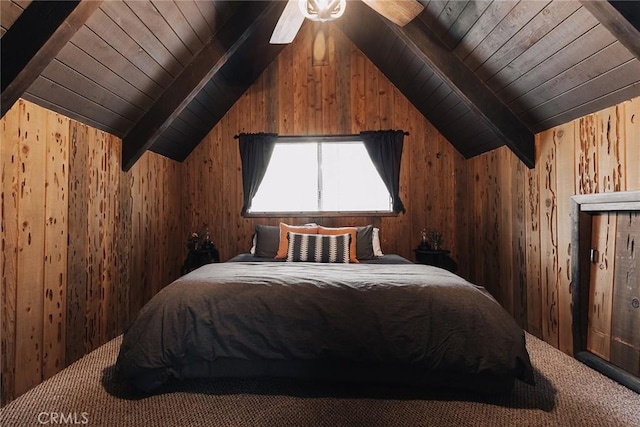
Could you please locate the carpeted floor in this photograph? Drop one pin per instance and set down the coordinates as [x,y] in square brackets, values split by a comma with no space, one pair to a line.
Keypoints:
[567,394]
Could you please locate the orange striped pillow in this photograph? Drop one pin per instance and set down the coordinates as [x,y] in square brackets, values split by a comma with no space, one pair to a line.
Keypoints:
[352,231]
[283,247]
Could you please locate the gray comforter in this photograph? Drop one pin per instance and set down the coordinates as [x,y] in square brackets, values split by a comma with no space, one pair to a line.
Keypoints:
[406,323]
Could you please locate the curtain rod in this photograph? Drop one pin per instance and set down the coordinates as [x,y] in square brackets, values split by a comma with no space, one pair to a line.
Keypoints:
[319,137]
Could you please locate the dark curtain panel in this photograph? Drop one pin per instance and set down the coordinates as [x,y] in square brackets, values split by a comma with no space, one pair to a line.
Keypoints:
[255,153]
[385,149]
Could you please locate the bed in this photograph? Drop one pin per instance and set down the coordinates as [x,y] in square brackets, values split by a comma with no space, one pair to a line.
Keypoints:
[381,320]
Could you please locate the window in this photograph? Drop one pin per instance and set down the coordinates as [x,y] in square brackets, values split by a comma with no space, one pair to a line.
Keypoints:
[321,176]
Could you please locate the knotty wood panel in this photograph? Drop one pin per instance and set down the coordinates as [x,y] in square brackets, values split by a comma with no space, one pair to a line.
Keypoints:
[68,244]
[324,99]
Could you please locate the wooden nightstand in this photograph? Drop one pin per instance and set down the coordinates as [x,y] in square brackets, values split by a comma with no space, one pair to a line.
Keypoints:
[199,257]
[436,257]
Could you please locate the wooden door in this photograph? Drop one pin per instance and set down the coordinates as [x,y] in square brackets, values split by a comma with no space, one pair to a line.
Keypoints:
[614,291]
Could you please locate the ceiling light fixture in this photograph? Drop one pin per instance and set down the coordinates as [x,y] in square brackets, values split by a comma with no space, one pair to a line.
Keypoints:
[322,10]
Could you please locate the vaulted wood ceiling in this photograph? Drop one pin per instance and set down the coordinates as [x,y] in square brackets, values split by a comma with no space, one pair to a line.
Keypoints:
[161,74]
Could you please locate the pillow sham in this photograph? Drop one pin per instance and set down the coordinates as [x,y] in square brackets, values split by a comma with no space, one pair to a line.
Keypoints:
[318,247]
[284,242]
[364,242]
[352,231]
[267,240]
[377,250]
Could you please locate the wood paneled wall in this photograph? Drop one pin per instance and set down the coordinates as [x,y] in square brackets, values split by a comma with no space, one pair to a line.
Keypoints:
[348,95]
[522,219]
[84,245]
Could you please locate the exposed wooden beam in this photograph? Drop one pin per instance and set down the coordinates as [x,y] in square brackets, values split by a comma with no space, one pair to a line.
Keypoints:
[194,77]
[622,19]
[493,112]
[34,40]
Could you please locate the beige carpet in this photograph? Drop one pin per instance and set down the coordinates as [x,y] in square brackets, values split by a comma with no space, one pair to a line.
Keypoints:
[567,394]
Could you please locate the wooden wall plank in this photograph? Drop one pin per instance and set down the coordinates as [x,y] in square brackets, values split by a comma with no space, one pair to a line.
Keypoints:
[95,237]
[601,286]
[77,220]
[137,233]
[330,113]
[631,127]
[533,256]
[9,161]
[357,99]
[586,158]
[31,220]
[110,242]
[56,231]
[519,293]
[415,153]
[506,192]
[490,245]
[564,138]
[396,113]
[611,167]
[271,98]
[123,226]
[146,210]
[464,189]
[302,80]
[547,169]
[342,106]
[285,91]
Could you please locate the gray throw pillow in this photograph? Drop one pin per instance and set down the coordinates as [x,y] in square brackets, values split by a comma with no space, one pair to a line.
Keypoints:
[364,242]
[267,240]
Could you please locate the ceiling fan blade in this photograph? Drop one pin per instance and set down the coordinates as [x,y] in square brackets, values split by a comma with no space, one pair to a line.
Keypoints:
[399,12]
[288,25]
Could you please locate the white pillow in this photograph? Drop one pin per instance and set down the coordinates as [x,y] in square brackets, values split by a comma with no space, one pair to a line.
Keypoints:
[255,240]
[377,251]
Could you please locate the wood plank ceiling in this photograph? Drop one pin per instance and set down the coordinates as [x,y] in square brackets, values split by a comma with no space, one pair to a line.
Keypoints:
[160,74]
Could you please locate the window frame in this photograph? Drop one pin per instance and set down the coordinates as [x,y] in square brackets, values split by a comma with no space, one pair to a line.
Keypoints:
[290,139]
